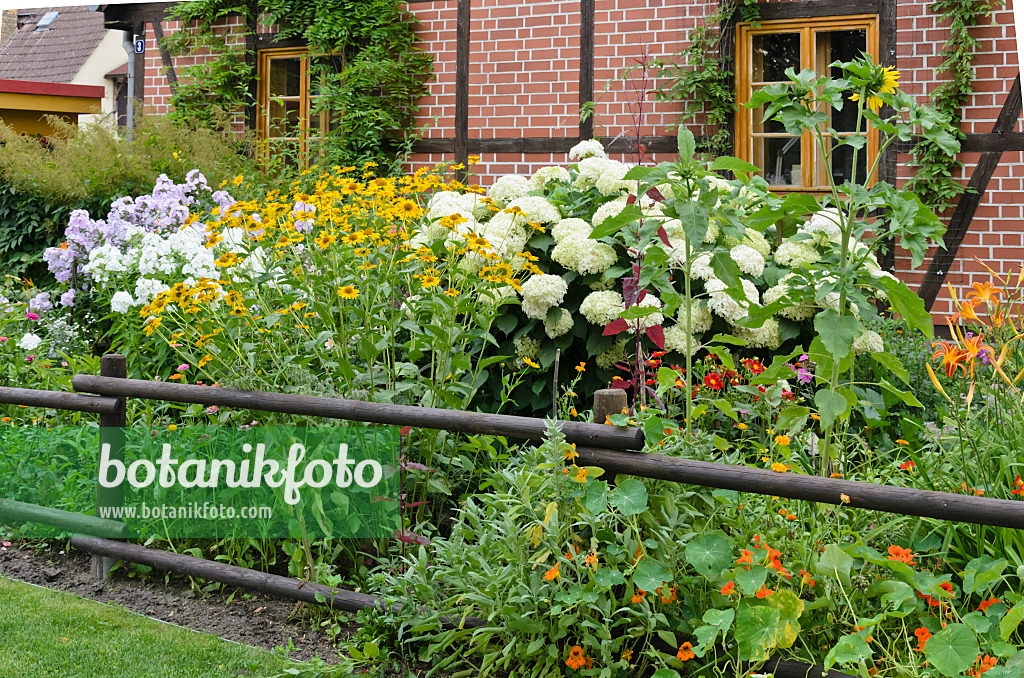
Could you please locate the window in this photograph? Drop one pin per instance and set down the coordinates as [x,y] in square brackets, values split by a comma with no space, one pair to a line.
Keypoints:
[288,124]
[763,53]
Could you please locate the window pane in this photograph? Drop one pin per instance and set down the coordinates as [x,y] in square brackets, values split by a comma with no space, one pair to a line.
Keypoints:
[284,79]
[772,54]
[832,46]
[842,166]
[284,118]
[779,159]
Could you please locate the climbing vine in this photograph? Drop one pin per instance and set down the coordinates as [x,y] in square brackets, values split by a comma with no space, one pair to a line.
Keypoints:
[364,61]
[935,183]
[701,76]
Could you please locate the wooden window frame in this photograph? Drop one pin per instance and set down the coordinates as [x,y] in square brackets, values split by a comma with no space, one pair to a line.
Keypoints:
[306,101]
[807,28]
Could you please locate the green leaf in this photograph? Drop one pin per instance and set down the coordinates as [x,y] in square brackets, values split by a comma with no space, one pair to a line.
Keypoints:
[755,632]
[731,164]
[609,577]
[1013,618]
[613,225]
[709,555]
[908,305]
[790,608]
[894,365]
[597,497]
[837,332]
[981,572]
[686,144]
[850,649]
[835,562]
[665,673]
[831,406]
[630,498]
[650,574]
[751,580]
[952,650]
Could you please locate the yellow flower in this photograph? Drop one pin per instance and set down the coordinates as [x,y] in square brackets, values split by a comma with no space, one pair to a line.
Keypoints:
[227,259]
[348,292]
[782,440]
[741,426]
[430,281]
[172,427]
[530,363]
[901,441]
[890,81]
[779,467]
[845,498]
[581,367]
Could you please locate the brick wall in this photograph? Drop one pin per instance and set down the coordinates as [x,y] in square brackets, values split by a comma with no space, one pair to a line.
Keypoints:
[524,82]
[995,234]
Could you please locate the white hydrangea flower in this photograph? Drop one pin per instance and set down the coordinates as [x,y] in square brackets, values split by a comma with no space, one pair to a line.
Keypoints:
[610,182]
[590,148]
[541,292]
[29,342]
[724,305]
[796,254]
[505,233]
[700,267]
[121,302]
[795,312]
[614,354]
[527,347]
[545,174]
[508,188]
[757,240]
[537,209]
[607,211]
[868,342]
[675,340]
[602,307]
[583,255]
[713,232]
[447,203]
[590,170]
[825,222]
[570,227]
[765,336]
[748,260]
[651,320]
[565,323]
[700,316]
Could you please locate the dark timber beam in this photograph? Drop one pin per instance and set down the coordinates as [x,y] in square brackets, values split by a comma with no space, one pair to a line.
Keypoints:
[969,201]
[586,66]
[165,56]
[462,38]
[540,145]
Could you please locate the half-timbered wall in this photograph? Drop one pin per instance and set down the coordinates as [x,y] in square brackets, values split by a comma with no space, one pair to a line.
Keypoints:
[525,81]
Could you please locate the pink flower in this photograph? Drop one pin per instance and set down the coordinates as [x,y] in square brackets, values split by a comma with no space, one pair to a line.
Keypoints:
[182,367]
[4,545]
[32,316]
[30,358]
[212,409]
[3,339]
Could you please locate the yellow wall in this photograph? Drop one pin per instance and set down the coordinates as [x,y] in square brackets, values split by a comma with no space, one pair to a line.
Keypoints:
[32,122]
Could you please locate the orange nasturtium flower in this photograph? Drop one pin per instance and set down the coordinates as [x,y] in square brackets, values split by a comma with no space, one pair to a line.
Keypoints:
[901,555]
[985,604]
[552,573]
[923,635]
[685,652]
[577,658]
[729,588]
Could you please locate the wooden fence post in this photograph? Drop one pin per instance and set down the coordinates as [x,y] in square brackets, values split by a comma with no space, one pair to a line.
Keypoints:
[112,427]
[609,401]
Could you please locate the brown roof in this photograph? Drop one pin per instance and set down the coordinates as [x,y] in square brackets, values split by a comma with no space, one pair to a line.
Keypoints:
[56,54]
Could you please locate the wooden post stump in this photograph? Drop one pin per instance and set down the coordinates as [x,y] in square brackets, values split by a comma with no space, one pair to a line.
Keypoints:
[609,401]
[112,427]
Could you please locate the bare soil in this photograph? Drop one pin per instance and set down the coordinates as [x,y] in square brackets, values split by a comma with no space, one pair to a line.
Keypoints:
[245,618]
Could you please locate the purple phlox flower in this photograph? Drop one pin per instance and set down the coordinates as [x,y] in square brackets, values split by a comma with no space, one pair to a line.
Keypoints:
[804,357]
[68,298]
[182,367]
[804,376]
[40,303]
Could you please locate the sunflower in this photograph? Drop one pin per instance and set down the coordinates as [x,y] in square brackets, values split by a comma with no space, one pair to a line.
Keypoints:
[888,85]
[348,292]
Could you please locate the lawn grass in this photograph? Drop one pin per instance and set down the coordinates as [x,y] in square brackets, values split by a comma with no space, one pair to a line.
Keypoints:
[50,633]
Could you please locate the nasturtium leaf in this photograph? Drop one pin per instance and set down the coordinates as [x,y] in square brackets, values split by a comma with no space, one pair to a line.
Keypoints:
[755,632]
[1011,621]
[952,650]
[665,673]
[596,500]
[978,622]
[835,562]
[609,577]
[650,574]
[630,498]
[751,580]
[709,555]
[850,649]
[790,608]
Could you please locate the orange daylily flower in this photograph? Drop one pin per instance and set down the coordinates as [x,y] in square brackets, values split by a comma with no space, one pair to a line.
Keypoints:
[986,292]
[952,357]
